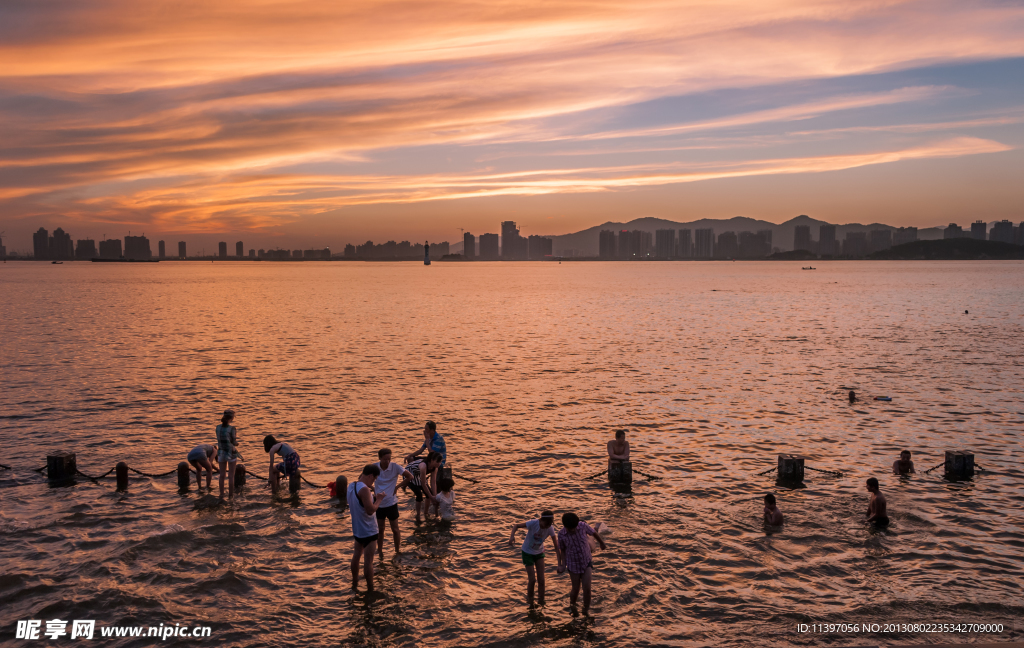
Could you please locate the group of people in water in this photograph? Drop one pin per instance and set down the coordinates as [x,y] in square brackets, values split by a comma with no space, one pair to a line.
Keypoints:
[373,498]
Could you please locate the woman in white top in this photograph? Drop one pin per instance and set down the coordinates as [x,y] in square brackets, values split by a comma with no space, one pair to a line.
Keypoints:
[364,523]
[446,498]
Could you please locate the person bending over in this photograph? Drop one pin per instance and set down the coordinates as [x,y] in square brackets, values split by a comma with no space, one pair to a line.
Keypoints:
[288,467]
[201,457]
[424,473]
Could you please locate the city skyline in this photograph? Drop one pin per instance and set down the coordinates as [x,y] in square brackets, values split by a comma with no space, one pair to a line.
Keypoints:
[308,124]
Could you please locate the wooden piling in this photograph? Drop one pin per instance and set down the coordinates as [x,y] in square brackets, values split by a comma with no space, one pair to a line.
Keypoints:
[294,482]
[184,476]
[121,472]
[341,487]
[791,468]
[620,472]
[959,464]
[239,476]
[61,466]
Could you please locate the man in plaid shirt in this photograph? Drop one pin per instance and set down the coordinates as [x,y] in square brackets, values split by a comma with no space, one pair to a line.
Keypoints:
[572,539]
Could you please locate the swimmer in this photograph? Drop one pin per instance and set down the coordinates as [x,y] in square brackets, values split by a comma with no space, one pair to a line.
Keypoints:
[903,465]
[853,396]
[618,450]
[537,530]
[201,457]
[876,505]
[772,514]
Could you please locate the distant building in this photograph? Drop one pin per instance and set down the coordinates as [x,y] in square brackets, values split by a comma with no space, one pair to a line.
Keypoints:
[684,244]
[855,244]
[606,244]
[239,249]
[296,254]
[953,231]
[252,254]
[489,250]
[538,247]
[161,250]
[704,244]
[137,247]
[468,245]
[222,249]
[728,246]
[85,249]
[41,244]
[110,249]
[317,255]
[513,246]
[1019,238]
[438,250]
[904,235]
[802,238]
[3,250]
[1002,232]
[181,249]
[350,251]
[979,230]
[624,245]
[755,245]
[665,243]
[881,239]
[635,244]
[827,244]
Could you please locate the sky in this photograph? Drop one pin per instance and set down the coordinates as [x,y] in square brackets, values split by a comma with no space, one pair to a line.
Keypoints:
[311,124]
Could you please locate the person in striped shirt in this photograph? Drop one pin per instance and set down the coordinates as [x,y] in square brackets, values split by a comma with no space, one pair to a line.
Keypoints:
[575,556]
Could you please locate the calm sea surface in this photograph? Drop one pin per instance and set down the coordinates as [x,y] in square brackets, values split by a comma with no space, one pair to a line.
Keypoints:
[713,368]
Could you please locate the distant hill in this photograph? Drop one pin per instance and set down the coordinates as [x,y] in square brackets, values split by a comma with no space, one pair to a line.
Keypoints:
[952,249]
[586,242]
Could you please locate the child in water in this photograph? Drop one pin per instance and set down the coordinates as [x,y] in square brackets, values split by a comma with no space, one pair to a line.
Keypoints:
[772,514]
[537,531]
[876,505]
[446,498]
[576,557]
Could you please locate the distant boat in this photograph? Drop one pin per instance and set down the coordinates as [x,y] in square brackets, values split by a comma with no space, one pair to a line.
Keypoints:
[808,268]
[57,262]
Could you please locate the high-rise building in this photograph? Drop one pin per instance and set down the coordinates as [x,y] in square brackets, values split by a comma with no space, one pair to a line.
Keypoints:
[85,249]
[513,246]
[539,247]
[979,230]
[881,239]
[665,243]
[3,250]
[239,249]
[252,254]
[728,246]
[827,244]
[161,249]
[41,244]
[222,249]
[802,238]
[62,248]
[110,249]
[468,245]
[904,235]
[855,244]
[137,247]
[296,254]
[606,244]
[953,231]
[489,247]
[624,245]
[1019,238]
[181,249]
[1002,231]
[684,245]
[704,244]
[755,245]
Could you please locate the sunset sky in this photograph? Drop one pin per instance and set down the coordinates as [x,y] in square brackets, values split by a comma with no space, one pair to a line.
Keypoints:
[321,123]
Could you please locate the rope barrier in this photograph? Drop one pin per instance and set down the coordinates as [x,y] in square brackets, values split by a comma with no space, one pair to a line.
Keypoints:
[469,479]
[303,477]
[934,467]
[139,472]
[765,472]
[830,472]
[649,477]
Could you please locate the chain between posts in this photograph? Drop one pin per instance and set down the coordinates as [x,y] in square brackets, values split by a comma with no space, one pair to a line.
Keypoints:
[765,472]
[598,474]
[79,472]
[934,467]
[139,472]
[830,472]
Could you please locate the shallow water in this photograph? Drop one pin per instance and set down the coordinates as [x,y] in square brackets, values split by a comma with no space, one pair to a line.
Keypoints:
[713,368]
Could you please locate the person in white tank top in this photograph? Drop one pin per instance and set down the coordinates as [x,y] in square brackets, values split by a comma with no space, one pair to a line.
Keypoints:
[363,506]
